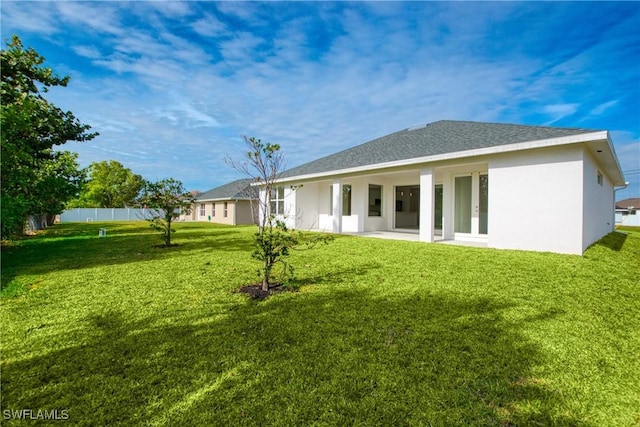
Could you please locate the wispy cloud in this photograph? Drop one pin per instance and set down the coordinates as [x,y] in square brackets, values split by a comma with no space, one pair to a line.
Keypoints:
[172,86]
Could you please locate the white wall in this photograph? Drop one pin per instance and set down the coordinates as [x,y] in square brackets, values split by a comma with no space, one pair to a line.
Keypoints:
[536,200]
[598,212]
[307,202]
[317,199]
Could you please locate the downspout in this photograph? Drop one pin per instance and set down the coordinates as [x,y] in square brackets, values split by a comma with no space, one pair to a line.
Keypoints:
[626,184]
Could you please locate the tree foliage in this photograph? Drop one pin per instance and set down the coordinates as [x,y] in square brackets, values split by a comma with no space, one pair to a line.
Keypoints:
[166,199]
[110,185]
[274,240]
[30,128]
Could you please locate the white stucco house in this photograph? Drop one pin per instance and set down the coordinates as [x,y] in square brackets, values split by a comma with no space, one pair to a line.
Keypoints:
[500,185]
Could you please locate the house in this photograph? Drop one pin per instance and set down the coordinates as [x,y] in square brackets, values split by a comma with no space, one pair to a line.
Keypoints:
[628,212]
[500,185]
[231,204]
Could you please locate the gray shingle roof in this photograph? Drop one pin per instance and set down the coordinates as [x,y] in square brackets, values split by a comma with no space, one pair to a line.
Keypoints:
[236,190]
[442,137]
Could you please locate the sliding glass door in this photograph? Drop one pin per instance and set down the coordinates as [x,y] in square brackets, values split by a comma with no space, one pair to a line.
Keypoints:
[483,203]
[437,210]
[471,204]
[462,222]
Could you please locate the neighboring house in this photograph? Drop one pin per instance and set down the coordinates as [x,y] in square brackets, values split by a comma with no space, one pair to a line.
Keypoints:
[506,186]
[231,204]
[628,212]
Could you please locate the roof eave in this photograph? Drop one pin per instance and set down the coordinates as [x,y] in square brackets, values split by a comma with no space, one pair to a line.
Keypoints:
[550,142]
[225,199]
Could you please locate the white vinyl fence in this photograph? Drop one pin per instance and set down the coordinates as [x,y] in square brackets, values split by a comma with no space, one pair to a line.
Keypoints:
[104,214]
[628,218]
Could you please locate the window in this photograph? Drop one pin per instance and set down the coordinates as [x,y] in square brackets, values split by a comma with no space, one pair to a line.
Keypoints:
[213,210]
[203,211]
[600,178]
[346,200]
[375,200]
[225,210]
[277,201]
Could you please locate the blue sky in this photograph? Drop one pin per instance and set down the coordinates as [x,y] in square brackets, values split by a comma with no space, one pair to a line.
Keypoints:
[173,86]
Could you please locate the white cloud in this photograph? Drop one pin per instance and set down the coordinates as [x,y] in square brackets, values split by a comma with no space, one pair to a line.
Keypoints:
[559,111]
[20,19]
[91,52]
[175,102]
[209,26]
[601,108]
[97,16]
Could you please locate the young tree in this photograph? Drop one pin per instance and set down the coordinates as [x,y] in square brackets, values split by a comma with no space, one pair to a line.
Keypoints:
[166,199]
[110,185]
[30,128]
[273,240]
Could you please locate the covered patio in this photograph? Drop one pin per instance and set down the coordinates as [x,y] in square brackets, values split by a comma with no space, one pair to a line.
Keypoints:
[415,237]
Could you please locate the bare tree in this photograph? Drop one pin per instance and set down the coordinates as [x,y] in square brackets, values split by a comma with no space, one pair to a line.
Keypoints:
[264,163]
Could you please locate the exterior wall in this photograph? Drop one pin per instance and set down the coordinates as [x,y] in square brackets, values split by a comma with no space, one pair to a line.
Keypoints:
[542,199]
[536,200]
[238,212]
[244,212]
[307,203]
[359,220]
[598,207]
[220,218]
[199,215]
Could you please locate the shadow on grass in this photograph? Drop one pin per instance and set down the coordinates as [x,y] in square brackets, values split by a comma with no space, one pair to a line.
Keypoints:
[338,359]
[75,246]
[614,241]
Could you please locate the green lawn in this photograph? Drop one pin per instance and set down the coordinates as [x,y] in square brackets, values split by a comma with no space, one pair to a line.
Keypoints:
[117,331]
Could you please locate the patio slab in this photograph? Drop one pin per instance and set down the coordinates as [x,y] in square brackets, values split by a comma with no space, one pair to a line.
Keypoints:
[415,237]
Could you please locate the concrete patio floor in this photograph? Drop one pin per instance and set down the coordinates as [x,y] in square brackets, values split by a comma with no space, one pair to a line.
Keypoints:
[415,237]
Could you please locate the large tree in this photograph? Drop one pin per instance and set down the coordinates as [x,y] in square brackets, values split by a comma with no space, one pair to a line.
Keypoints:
[166,199]
[30,128]
[58,180]
[110,185]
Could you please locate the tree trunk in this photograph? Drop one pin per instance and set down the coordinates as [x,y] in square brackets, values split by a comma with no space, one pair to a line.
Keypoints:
[266,272]
[167,240]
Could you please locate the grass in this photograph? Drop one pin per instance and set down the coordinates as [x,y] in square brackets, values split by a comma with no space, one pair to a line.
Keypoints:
[117,331]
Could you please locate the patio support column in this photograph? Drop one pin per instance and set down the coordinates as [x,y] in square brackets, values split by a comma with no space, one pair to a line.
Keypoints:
[427,204]
[336,202]
[290,207]
[263,206]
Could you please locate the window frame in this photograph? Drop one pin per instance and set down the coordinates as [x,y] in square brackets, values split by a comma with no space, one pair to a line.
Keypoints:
[346,199]
[377,202]
[276,200]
